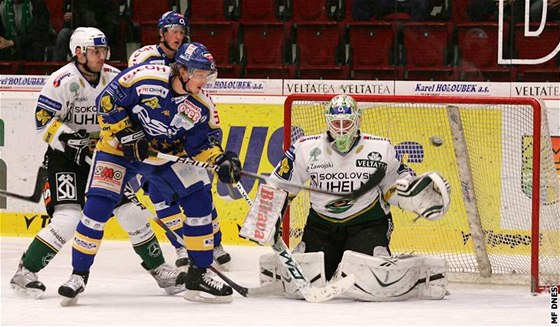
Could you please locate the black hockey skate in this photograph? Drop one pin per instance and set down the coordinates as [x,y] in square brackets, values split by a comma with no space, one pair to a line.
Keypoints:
[70,290]
[26,282]
[201,287]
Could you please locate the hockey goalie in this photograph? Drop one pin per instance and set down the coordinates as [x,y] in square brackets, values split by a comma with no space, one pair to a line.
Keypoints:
[350,236]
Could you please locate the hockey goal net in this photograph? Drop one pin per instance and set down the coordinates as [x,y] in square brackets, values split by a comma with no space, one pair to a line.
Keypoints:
[504,218]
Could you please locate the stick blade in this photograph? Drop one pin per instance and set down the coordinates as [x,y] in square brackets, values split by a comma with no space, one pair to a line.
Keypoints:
[372,182]
[332,290]
[42,175]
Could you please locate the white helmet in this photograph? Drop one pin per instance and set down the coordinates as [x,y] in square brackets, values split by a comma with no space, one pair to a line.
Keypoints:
[343,121]
[85,37]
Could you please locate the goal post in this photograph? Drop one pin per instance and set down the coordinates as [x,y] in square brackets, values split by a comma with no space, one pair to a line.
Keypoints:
[504,218]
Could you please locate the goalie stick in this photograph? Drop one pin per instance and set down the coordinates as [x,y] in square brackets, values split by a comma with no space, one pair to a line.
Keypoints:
[37,191]
[309,292]
[372,182]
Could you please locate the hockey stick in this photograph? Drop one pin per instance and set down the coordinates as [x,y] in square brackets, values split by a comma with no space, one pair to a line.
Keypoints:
[309,292]
[268,289]
[37,191]
[372,182]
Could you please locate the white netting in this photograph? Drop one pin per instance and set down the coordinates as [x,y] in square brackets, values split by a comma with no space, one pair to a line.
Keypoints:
[499,141]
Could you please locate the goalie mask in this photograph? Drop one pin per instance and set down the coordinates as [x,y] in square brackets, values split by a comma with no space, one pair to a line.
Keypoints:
[343,121]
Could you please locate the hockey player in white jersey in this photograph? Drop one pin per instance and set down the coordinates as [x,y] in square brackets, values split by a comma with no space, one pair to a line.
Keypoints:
[172,31]
[354,235]
[66,119]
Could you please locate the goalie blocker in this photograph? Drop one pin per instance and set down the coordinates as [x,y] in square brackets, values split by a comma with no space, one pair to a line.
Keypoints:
[377,279]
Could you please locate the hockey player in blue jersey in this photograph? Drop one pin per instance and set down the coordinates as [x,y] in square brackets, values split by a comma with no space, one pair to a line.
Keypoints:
[157,108]
[172,33]
[173,29]
[65,118]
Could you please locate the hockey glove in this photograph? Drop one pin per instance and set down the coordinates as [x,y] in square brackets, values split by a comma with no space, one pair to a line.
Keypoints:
[428,195]
[133,143]
[229,167]
[76,145]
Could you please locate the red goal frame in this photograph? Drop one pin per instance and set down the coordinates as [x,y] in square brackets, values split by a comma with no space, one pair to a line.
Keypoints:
[537,121]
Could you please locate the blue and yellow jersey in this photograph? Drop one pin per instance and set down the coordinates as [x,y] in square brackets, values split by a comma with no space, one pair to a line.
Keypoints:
[141,96]
[149,54]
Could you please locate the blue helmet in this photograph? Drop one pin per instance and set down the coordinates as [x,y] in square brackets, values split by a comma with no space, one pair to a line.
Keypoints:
[194,55]
[172,18]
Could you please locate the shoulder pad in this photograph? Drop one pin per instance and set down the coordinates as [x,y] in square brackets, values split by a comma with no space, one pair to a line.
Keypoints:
[308,138]
[141,55]
[63,75]
[146,71]
[375,138]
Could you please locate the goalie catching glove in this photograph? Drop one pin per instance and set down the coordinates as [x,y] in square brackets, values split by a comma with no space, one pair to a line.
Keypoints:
[76,145]
[229,167]
[427,195]
[133,143]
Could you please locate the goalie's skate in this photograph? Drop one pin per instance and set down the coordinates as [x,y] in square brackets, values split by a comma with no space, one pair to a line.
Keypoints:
[201,287]
[182,258]
[221,257]
[27,283]
[70,290]
[169,278]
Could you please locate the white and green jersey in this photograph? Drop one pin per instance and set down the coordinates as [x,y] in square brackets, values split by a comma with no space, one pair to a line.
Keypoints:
[313,158]
[66,103]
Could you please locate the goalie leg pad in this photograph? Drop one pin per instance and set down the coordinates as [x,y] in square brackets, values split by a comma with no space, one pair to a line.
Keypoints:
[311,263]
[382,279]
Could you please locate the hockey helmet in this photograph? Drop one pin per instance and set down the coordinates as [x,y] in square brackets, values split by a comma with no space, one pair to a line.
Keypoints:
[195,56]
[343,121]
[88,37]
[171,19]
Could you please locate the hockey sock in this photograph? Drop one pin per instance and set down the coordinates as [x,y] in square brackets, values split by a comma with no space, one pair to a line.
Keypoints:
[150,252]
[38,256]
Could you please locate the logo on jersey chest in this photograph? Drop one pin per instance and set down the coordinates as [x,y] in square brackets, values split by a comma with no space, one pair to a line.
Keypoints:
[66,186]
[152,102]
[373,161]
[315,153]
[152,90]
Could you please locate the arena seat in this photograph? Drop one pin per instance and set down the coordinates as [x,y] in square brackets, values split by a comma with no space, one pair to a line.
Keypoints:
[221,39]
[260,11]
[426,47]
[312,10]
[41,67]
[9,67]
[210,10]
[319,51]
[537,47]
[372,50]
[478,52]
[265,50]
